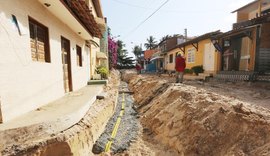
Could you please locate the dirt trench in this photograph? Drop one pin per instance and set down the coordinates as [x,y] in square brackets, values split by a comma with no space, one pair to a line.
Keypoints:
[190,120]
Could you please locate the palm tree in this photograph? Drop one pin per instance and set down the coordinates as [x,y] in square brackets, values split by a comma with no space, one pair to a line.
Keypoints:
[137,50]
[165,38]
[151,43]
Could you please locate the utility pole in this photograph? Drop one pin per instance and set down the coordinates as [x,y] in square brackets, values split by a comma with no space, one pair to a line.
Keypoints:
[185,34]
[260,8]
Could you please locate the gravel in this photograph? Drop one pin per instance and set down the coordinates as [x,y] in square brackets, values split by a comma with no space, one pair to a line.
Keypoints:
[128,128]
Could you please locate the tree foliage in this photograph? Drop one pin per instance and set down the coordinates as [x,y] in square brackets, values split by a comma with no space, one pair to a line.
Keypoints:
[123,61]
[151,43]
[137,50]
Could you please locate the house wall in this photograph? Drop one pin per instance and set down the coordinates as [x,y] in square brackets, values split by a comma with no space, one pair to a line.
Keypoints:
[94,49]
[242,16]
[199,56]
[171,66]
[245,14]
[26,84]
[264,49]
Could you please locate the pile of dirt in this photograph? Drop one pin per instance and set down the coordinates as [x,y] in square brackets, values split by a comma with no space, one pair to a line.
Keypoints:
[195,121]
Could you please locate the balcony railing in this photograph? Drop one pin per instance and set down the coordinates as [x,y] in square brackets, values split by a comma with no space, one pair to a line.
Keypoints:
[101,23]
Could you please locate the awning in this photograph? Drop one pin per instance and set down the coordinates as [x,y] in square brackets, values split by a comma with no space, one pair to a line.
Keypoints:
[157,57]
[101,55]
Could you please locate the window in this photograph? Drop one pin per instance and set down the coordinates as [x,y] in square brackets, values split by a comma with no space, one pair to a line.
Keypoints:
[39,41]
[171,58]
[226,43]
[191,55]
[79,55]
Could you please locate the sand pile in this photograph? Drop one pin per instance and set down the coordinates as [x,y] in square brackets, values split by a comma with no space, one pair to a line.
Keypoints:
[194,121]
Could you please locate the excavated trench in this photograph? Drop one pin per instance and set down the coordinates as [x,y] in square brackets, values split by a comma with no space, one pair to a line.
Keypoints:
[123,126]
[163,118]
[188,120]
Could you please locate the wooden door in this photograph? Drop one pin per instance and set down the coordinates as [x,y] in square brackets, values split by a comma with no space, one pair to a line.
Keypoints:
[236,44]
[65,45]
[209,57]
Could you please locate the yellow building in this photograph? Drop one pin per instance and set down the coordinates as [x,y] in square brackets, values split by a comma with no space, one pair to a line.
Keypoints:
[198,51]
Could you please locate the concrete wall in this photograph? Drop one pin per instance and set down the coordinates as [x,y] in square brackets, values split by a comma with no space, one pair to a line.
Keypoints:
[24,84]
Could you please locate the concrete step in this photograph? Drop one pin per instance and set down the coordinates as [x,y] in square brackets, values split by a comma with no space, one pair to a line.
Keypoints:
[206,74]
[195,77]
[95,82]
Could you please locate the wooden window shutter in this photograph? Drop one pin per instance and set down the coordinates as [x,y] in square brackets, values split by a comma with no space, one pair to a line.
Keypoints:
[39,40]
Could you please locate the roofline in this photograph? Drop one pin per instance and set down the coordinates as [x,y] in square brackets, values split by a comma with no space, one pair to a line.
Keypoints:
[245,6]
[98,7]
[77,18]
[197,39]
[93,30]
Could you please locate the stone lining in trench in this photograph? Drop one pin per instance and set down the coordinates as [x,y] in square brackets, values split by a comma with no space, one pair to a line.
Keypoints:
[128,128]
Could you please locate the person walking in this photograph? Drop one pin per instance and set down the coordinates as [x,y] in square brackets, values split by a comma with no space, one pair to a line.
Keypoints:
[180,65]
[138,68]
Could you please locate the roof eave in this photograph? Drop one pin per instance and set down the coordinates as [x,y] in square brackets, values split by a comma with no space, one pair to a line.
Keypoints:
[98,9]
[245,6]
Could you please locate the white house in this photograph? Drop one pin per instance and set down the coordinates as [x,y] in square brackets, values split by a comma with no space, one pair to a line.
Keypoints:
[45,51]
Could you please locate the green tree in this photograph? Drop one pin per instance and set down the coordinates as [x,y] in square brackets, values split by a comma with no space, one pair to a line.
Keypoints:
[137,50]
[165,38]
[123,61]
[151,43]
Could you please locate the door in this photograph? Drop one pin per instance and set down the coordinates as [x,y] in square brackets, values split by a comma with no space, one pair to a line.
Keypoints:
[209,57]
[236,44]
[65,45]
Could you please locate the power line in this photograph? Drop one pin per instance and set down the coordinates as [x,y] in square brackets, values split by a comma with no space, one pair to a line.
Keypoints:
[168,10]
[147,18]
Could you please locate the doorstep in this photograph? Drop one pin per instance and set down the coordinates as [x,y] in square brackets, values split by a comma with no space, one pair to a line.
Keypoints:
[96,82]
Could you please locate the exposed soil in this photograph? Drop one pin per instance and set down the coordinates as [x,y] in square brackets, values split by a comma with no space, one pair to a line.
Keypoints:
[200,118]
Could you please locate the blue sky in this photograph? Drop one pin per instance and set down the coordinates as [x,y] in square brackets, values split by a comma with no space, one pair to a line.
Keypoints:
[198,16]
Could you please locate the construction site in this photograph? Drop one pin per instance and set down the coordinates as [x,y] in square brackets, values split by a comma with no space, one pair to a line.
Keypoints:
[150,115]
[134,78]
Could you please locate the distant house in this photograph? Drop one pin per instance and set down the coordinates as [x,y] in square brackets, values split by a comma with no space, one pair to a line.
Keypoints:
[47,50]
[247,46]
[159,58]
[148,54]
[197,51]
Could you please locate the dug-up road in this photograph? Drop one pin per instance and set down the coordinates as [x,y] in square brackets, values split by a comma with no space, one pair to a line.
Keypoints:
[199,118]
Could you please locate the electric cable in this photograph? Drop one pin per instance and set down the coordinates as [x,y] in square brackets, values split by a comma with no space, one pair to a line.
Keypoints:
[131,32]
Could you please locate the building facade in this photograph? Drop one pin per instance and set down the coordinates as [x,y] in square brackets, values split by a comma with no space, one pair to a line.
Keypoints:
[246,47]
[199,51]
[45,51]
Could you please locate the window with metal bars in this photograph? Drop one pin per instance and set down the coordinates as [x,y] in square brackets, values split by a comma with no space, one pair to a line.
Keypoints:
[39,41]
